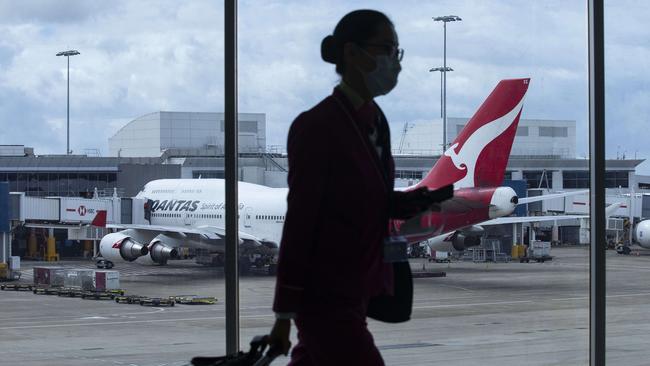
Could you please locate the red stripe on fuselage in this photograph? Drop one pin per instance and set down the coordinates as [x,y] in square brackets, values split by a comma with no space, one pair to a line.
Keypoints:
[436,223]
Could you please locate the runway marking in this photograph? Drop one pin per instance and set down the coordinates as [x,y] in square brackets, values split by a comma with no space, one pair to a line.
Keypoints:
[156,310]
[608,296]
[462,288]
[472,304]
[136,321]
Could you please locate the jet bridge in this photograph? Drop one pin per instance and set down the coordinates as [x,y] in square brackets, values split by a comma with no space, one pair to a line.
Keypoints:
[73,214]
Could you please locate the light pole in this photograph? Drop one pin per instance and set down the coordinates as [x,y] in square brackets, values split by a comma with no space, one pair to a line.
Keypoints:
[445,19]
[444,124]
[67,54]
[442,70]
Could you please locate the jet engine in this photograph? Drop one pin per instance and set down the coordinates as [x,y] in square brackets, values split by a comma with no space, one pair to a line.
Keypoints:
[120,247]
[642,233]
[468,237]
[159,252]
[462,241]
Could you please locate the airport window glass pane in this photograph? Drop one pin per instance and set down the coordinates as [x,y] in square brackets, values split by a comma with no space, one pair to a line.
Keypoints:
[32,185]
[132,60]
[553,131]
[22,181]
[92,181]
[13,184]
[476,303]
[538,179]
[616,179]
[627,82]
[522,131]
[575,179]
[43,186]
[82,181]
[73,184]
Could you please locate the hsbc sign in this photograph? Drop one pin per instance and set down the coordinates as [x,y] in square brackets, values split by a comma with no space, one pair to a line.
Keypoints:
[82,210]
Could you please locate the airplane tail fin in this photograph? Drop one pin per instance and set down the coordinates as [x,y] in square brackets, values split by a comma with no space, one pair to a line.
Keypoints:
[100,219]
[479,155]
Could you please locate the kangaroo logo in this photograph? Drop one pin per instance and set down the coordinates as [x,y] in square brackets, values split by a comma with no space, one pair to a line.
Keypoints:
[465,159]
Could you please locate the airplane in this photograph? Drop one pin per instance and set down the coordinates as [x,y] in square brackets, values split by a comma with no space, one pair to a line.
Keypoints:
[475,164]
[191,212]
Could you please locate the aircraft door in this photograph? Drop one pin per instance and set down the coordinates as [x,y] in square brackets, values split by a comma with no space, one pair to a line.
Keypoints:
[248,212]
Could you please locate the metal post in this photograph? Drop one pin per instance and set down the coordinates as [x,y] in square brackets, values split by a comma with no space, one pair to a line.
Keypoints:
[444,20]
[443,139]
[67,148]
[230,132]
[67,55]
[444,89]
[597,271]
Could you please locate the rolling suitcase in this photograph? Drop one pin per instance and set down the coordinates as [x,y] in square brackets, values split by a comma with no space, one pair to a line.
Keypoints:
[254,357]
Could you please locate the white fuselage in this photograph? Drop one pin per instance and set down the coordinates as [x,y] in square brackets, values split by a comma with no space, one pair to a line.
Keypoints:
[201,202]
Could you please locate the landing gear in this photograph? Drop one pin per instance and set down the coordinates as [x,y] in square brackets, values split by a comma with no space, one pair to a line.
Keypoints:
[623,249]
[103,263]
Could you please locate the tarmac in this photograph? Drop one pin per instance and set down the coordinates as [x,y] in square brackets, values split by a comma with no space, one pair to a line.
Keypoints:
[479,314]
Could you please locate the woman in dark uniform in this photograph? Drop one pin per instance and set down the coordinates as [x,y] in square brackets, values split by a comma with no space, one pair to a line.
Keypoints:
[340,201]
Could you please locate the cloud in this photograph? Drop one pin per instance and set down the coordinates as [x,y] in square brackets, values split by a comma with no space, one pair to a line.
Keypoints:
[143,56]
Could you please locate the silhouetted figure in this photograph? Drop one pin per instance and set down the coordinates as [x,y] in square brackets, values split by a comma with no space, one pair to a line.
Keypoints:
[340,200]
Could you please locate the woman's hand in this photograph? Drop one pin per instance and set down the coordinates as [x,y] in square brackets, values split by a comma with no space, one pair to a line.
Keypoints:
[279,337]
[405,205]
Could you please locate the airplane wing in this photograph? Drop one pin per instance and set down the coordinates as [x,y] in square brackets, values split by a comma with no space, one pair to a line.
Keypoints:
[206,232]
[609,210]
[551,196]
[161,229]
[525,219]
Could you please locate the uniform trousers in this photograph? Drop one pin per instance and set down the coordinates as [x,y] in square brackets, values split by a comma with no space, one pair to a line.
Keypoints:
[334,334]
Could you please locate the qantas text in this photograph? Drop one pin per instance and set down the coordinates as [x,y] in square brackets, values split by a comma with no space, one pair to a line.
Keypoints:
[184,205]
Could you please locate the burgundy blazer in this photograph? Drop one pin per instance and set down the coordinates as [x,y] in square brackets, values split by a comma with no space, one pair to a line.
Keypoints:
[337,212]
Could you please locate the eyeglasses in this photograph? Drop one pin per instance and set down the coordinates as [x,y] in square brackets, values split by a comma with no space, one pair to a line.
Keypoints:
[391,50]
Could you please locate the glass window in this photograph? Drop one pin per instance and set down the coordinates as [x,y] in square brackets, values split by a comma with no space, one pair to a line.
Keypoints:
[575,179]
[522,131]
[22,182]
[13,182]
[538,179]
[616,179]
[82,183]
[133,60]
[73,185]
[553,131]
[627,86]
[43,184]
[548,51]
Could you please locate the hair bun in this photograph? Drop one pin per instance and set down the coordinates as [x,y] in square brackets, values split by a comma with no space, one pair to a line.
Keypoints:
[328,51]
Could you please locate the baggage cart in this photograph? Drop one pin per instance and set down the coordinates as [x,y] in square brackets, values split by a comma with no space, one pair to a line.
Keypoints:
[70,292]
[46,291]
[131,299]
[49,276]
[97,295]
[157,301]
[17,287]
[194,300]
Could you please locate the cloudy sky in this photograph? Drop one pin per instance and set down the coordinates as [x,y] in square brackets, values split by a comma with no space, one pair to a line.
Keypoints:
[143,56]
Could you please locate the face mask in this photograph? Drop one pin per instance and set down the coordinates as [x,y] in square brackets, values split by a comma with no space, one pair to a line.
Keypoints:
[383,78]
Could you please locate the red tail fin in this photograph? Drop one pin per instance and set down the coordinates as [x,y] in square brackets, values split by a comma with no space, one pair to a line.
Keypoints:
[479,155]
[100,219]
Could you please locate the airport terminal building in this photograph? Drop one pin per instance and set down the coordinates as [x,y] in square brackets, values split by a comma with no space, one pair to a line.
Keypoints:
[190,145]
